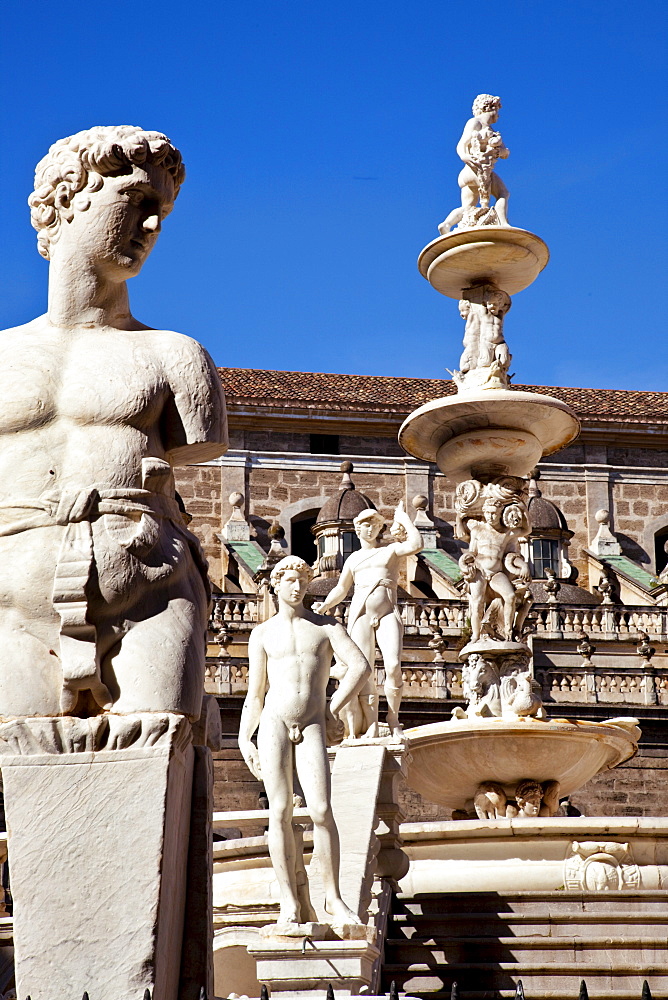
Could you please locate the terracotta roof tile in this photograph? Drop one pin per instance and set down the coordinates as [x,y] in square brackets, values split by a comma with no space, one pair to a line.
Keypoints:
[401,395]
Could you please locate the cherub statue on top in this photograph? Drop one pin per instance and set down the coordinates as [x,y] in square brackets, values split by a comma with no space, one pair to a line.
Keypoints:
[480,147]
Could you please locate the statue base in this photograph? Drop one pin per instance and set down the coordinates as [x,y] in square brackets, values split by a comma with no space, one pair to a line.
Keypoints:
[489,647]
[98,853]
[511,258]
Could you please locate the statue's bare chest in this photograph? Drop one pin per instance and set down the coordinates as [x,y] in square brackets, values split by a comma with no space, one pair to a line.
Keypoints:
[87,378]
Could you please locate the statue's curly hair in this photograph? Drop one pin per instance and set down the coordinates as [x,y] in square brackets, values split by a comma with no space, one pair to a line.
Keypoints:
[486,102]
[289,564]
[79,163]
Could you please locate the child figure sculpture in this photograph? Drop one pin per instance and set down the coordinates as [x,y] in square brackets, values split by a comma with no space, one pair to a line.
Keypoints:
[374,615]
[289,658]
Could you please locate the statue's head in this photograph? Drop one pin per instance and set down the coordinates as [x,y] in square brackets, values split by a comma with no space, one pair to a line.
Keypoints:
[289,579]
[368,524]
[485,104]
[103,194]
[529,795]
[491,511]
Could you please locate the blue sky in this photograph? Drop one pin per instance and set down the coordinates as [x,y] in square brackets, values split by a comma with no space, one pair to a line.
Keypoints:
[320,140]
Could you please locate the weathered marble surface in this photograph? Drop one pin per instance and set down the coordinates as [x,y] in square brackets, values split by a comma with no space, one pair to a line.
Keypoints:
[103,590]
[98,844]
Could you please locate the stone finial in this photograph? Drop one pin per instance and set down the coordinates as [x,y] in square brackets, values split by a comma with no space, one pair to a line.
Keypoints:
[604,543]
[237,528]
[644,649]
[423,522]
[607,585]
[346,482]
[533,489]
[551,585]
[278,548]
[585,649]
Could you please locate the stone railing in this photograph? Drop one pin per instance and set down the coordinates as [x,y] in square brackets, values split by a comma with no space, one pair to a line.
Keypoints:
[234,611]
[423,616]
[589,684]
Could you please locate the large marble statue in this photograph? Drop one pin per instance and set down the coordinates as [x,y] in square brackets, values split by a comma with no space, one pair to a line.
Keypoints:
[374,615]
[480,147]
[103,590]
[289,661]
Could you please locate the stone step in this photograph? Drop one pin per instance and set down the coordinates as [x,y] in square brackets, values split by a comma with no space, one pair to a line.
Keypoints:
[633,951]
[440,904]
[494,925]
[567,993]
[424,978]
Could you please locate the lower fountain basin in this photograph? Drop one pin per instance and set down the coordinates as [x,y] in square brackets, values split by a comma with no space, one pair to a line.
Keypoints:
[451,758]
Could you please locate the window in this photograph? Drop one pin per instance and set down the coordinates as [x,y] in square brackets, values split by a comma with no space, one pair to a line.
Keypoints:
[324,444]
[661,556]
[544,555]
[350,543]
[302,542]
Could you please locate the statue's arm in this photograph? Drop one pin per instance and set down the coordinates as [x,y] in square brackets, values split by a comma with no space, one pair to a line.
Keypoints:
[463,144]
[338,594]
[194,422]
[358,672]
[254,702]
[413,540]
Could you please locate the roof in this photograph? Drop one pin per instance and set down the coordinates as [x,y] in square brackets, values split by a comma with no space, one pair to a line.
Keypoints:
[402,395]
[545,515]
[344,506]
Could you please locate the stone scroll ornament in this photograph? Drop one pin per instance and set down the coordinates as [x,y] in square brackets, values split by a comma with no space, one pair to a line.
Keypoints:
[480,147]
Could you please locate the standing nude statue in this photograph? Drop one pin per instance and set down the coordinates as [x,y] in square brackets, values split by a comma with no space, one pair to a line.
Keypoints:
[103,590]
[374,615]
[289,660]
[480,147]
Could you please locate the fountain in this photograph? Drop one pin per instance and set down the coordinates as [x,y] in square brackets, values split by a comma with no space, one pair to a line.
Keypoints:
[501,757]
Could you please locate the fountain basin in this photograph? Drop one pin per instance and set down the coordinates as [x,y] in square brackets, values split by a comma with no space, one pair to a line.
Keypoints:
[451,758]
[510,258]
[503,431]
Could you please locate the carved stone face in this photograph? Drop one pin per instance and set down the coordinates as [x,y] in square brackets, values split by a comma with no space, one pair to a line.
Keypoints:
[118,230]
[530,802]
[368,530]
[292,587]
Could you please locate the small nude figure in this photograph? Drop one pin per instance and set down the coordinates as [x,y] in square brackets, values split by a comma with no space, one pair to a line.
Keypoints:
[484,343]
[493,561]
[480,147]
[374,615]
[289,662]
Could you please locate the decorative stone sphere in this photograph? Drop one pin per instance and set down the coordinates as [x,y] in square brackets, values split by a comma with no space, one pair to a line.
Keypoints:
[236,499]
[346,467]
[420,502]
[602,516]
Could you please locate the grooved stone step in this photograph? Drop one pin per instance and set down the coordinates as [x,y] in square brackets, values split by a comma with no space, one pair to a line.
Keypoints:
[487,942]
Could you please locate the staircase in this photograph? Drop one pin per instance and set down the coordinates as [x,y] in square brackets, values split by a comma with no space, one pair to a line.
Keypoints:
[486,942]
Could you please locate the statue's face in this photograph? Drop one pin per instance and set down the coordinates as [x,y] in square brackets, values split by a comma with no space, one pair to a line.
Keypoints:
[117,232]
[292,587]
[368,530]
[530,804]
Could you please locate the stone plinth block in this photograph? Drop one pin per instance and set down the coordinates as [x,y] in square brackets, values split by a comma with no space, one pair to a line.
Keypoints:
[294,965]
[511,258]
[98,846]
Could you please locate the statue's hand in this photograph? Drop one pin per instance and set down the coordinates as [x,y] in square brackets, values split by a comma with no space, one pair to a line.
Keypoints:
[334,728]
[251,755]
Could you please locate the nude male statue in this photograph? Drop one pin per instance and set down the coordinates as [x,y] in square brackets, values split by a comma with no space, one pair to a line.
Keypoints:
[493,561]
[289,659]
[374,615]
[103,590]
[480,147]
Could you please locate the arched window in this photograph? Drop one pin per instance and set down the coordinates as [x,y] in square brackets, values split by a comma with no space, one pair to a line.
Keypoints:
[660,554]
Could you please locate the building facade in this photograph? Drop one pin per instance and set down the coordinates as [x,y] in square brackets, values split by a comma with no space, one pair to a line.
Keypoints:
[599,624]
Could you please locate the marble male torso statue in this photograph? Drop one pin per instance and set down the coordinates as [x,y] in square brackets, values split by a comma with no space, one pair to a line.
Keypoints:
[103,593]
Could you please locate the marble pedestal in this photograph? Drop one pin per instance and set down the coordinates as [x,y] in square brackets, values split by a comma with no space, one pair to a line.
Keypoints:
[98,816]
